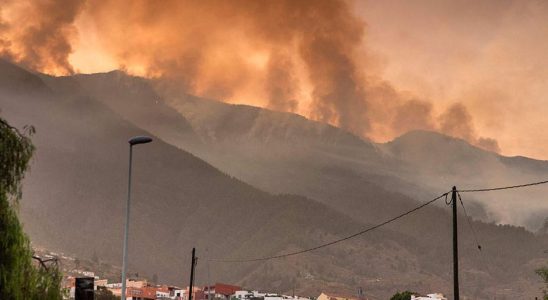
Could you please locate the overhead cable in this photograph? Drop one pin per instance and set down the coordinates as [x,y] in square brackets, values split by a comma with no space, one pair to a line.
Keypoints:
[371,228]
[503,187]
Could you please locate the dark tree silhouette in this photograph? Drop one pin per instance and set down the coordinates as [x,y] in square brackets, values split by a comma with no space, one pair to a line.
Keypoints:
[20,277]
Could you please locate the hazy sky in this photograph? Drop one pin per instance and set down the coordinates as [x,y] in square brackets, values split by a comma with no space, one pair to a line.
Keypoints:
[472,69]
[491,55]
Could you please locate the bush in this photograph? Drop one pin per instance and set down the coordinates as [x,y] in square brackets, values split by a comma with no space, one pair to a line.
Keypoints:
[402,296]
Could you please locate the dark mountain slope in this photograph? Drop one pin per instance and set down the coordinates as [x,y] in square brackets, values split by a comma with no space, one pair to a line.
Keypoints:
[437,160]
[74,198]
[130,97]
[78,183]
[278,152]
[283,152]
[16,79]
[74,202]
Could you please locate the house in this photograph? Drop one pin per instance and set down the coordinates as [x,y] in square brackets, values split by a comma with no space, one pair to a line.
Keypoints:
[163,292]
[220,291]
[138,290]
[147,293]
[436,296]
[336,296]
[101,282]
[273,297]
[176,292]
[250,295]
[256,295]
[242,294]
[197,293]
[133,293]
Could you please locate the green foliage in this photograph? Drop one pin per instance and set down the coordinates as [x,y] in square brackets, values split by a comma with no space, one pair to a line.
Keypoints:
[20,278]
[402,296]
[15,152]
[543,273]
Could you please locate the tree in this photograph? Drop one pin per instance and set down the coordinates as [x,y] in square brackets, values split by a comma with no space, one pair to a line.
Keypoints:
[543,273]
[20,278]
[402,296]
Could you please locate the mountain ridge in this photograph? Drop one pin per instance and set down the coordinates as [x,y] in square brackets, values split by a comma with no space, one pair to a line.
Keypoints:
[74,196]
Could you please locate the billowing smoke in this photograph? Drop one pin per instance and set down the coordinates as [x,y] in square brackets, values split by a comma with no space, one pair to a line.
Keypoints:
[456,121]
[413,114]
[271,53]
[303,56]
[38,34]
[281,83]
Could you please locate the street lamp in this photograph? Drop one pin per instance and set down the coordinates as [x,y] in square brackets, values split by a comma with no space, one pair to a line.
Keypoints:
[132,142]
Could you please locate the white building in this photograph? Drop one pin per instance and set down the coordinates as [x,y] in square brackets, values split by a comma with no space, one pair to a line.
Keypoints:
[162,295]
[248,294]
[273,297]
[436,296]
[177,293]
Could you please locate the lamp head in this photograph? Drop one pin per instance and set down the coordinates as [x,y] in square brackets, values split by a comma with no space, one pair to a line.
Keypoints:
[139,140]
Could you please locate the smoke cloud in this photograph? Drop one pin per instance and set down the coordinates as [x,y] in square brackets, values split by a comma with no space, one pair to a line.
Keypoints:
[303,56]
[39,34]
[413,114]
[456,121]
[281,84]
[259,52]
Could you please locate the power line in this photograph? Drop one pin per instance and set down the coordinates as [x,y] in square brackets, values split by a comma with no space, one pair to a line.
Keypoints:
[469,222]
[383,223]
[335,241]
[483,258]
[503,187]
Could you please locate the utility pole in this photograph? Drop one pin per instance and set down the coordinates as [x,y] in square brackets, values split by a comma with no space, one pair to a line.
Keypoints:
[455,246]
[208,282]
[192,265]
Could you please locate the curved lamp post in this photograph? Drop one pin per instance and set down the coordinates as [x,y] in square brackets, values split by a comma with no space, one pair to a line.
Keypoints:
[132,142]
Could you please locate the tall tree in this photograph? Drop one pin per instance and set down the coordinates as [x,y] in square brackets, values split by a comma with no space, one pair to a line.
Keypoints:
[20,278]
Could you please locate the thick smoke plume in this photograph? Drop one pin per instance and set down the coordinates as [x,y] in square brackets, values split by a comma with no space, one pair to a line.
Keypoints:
[38,34]
[247,51]
[300,56]
[456,121]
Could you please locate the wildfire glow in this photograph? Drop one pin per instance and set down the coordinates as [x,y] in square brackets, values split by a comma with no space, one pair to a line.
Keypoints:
[376,69]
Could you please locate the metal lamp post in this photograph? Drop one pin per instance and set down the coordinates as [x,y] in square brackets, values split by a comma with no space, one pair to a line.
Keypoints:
[132,142]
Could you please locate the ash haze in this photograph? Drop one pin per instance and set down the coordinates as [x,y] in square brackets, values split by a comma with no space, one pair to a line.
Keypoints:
[474,70]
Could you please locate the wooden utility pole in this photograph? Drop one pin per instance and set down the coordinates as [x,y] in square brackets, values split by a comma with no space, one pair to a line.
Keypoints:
[455,247]
[208,282]
[192,265]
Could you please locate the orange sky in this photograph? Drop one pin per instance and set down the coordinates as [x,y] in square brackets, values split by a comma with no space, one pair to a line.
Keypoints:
[491,55]
[472,69]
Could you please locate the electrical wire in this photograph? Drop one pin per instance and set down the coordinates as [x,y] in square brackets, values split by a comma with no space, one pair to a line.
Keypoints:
[371,228]
[483,258]
[504,187]
[469,223]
